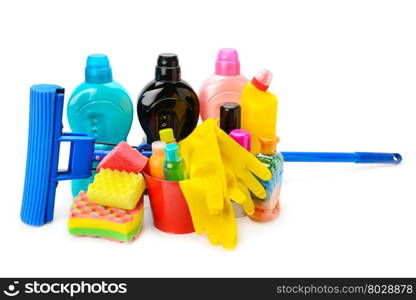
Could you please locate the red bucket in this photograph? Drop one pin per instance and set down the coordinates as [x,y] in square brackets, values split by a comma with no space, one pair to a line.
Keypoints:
[169,208]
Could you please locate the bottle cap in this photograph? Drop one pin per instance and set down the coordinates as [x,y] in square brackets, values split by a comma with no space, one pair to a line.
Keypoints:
[262,79]
[168,68]
[242,137]
[227,63]
[98,69]
[172,152]
[230,116]
[158,148]
[166,135]
[268,144]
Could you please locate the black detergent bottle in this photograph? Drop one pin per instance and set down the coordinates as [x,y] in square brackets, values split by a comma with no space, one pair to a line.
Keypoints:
[168,102]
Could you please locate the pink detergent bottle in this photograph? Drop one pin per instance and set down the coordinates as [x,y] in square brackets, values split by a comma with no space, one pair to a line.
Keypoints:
[224,86]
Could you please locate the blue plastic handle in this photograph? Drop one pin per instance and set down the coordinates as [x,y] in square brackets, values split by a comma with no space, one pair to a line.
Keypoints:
[80,156]
[350,157]
[144,149]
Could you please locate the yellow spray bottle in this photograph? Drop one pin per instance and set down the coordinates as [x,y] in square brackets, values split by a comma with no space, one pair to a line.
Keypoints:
[258,108]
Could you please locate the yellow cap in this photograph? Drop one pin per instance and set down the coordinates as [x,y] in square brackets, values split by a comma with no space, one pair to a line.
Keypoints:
[166,135]
[268,144]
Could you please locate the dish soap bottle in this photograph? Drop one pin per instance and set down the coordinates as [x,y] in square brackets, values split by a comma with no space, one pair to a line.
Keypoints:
[173,166]
[99,106]
[225,85]
[267,209]
[168,102]
[258,108]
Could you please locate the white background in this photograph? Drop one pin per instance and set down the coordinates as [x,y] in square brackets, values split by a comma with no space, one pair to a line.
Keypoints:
[345,75]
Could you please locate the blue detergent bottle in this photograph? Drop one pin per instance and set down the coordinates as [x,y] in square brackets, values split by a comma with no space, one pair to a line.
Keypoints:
[99,106]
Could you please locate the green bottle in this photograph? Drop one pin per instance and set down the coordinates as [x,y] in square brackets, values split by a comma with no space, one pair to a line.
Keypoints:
[173,166]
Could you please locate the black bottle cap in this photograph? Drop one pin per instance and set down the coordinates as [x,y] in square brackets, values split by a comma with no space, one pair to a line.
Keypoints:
[230,116]
[168,68]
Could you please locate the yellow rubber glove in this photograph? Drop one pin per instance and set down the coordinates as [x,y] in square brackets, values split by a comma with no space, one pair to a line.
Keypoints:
[240,194]
[221,229]
[206,190]
[219,170]
[202,157]
[240,165]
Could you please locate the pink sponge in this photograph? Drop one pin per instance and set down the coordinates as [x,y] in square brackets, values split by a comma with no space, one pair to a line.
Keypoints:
[124,158]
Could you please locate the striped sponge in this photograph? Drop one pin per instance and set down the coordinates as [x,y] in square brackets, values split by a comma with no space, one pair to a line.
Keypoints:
[116,189]
[124,158]
[90,219]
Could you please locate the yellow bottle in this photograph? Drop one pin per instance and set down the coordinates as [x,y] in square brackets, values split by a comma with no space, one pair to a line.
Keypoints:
[258,109]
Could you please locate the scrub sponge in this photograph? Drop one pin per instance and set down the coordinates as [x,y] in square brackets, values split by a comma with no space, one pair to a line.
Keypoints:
[116,189]
[90,219]
[124,158]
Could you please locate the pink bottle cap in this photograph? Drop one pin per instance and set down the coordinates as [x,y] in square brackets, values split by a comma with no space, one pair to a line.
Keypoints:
[227,63]
[242,137]
[262,79]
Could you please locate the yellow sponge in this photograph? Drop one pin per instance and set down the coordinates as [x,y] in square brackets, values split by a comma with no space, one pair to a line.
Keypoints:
[116,189]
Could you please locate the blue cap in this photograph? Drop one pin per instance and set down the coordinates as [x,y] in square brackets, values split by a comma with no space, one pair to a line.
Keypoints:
[172,152]
[98,69]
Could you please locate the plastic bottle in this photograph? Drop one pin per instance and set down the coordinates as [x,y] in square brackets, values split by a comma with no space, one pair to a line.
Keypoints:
[99,106]
[225,85]
[242,137]
[157,159]
[230,116]
[267,209]
[259,108]
[168,102]
[173,166]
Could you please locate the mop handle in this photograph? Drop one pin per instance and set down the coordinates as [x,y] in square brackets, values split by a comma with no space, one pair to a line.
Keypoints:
[349,157]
